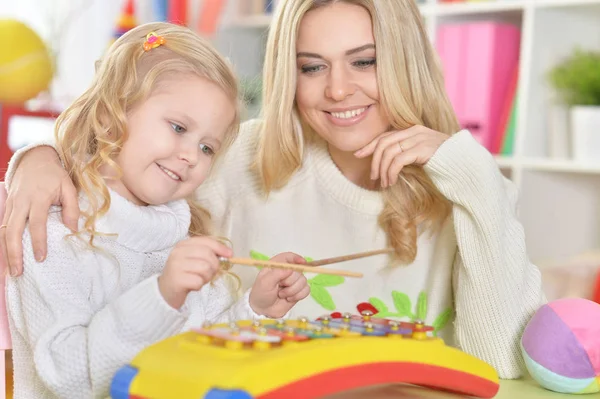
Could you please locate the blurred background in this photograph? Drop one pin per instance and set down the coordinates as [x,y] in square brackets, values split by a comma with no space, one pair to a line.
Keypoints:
[523,76]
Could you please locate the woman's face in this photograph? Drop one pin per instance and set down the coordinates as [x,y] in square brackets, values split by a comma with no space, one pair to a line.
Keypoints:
[337,92]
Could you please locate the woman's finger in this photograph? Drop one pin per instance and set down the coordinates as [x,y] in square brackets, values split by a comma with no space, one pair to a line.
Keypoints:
[70,205]
[6,213]
[17,219]
[389,176]
[389,141]
[369,149]
[388,156]
[38,220]
[402,160]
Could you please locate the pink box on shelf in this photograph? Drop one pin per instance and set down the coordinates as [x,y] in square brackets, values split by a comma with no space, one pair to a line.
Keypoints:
[479,60]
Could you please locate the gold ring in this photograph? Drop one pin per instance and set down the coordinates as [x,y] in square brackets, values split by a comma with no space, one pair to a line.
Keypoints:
[401,148]
[3,226]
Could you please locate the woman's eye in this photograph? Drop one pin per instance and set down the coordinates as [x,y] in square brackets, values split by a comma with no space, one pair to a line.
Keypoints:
[177,128]
[365,63]
[311,68]
[207,150]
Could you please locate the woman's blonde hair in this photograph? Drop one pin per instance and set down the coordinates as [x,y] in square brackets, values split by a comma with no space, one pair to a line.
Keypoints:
[411,92]
[91,131]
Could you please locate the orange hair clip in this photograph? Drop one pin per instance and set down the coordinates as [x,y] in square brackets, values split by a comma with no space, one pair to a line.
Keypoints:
[153,41]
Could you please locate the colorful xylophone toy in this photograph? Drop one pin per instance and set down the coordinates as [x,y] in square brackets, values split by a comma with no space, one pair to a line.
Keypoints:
[301,358]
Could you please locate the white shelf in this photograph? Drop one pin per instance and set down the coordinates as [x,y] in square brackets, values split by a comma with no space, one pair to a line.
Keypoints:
[505,162]
[548,165]
[565,166]
[447,9]
[473,7]
[563,3]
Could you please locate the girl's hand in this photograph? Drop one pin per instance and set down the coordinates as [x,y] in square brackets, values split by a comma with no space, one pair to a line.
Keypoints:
[39,182]
[276,291]
[394,150]
[191,264]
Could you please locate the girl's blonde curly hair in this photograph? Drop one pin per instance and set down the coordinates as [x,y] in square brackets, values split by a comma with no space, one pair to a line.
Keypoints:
[125,77]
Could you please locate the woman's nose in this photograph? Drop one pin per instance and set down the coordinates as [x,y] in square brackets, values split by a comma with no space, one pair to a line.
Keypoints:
[339,85]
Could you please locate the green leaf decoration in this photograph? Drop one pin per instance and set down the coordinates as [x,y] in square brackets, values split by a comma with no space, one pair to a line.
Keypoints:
[402,303]
[441,321]
[308,259]
[322,296]
[327,280]
[258,256]
[422,306]
[379,305]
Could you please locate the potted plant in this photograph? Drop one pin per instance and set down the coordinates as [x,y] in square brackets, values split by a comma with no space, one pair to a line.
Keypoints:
[577,83]
[251,89]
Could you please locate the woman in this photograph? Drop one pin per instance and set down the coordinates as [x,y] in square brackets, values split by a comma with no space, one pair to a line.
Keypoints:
[357,149]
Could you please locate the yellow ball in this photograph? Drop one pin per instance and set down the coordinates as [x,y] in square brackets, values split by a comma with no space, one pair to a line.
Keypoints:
[25,63]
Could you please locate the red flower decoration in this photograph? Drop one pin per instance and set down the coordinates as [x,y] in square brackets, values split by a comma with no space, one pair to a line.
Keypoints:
[364,306]
[336,315]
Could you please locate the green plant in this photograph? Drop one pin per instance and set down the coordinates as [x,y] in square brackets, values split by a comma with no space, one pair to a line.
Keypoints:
[577,79]
[251,89]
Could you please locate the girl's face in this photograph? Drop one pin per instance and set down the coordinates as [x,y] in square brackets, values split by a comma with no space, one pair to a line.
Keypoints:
[337,92]
[173,136]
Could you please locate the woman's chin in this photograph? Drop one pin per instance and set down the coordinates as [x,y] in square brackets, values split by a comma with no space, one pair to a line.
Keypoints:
[347,146]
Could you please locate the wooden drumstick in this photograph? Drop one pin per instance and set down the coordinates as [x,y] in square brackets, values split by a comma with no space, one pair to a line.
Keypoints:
[346,258]
[289,266]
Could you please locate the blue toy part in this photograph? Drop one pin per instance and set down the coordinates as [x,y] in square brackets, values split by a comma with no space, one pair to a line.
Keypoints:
[119,387]
[217,393]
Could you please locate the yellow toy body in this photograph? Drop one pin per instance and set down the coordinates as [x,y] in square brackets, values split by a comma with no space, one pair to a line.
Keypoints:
[25,63]
[300,359]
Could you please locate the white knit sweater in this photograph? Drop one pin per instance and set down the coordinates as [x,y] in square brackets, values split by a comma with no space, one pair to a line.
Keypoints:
[81,314]
[472,280]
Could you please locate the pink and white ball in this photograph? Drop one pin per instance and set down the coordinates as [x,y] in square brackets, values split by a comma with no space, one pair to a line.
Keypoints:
[561,346]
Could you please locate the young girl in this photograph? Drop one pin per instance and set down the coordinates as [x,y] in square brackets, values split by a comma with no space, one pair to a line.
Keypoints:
[358,148]
[137,143]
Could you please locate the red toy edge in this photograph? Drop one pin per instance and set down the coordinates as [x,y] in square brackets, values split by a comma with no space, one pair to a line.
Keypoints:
[348,378]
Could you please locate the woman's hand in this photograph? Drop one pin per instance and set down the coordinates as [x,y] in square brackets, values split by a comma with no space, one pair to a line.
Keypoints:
[39,182]
[276,291]
[396,149]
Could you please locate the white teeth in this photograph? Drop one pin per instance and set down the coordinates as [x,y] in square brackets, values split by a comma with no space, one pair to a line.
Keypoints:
[169,173]
[349,114]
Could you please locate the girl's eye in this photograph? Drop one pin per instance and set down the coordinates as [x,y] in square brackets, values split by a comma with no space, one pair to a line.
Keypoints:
[364,64]
[311,68]
[177,128]
[206,150]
